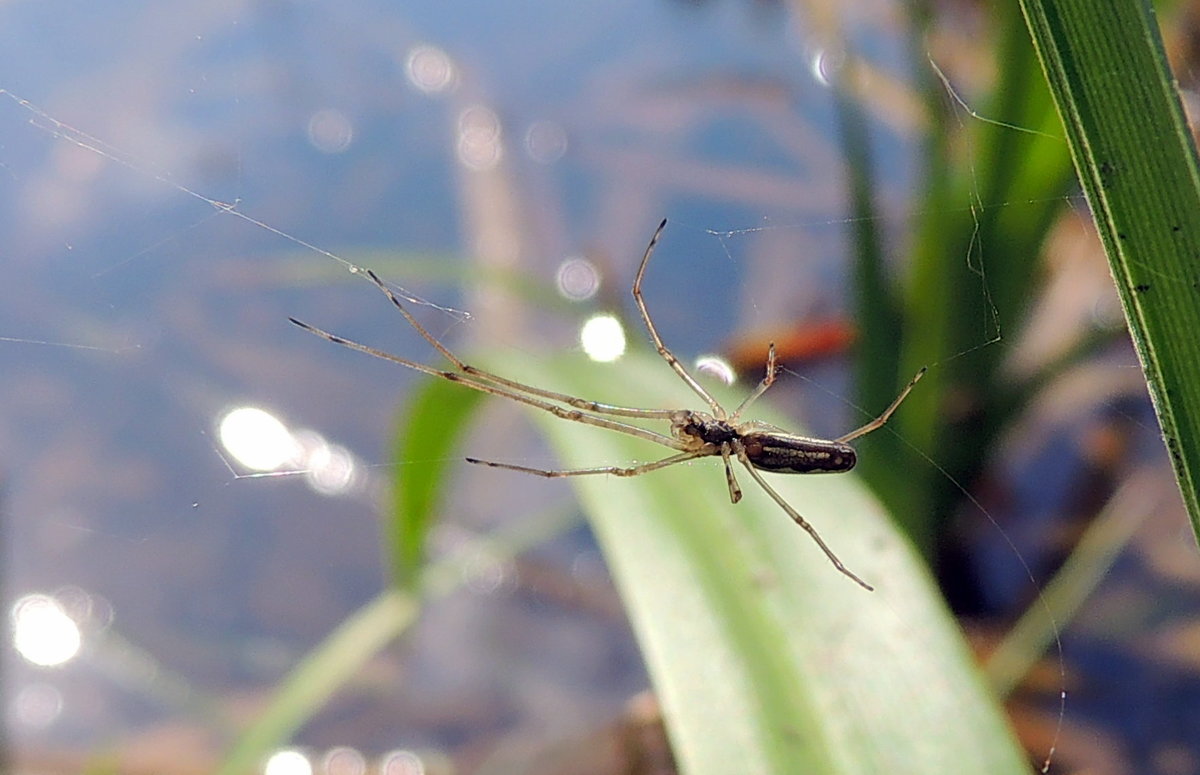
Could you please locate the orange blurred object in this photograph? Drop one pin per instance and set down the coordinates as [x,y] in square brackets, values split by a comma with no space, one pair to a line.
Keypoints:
[805,341]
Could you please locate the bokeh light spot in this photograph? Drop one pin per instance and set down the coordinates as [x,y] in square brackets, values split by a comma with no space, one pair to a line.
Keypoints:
[257,439]
[330,131]
[430,69]
[546,141]
[401,762]
[43,633]
[288,762]
[479,145]
[717,368]
[577,279]
[603,338]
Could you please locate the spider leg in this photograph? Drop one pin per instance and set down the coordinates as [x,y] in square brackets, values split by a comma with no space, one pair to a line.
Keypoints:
[476,383]
[735,490]
[667,355]
[466,368]
[882,419]
[767,381]
[799,520]
[613,470]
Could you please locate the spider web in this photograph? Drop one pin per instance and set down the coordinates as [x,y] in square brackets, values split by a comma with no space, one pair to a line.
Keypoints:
[129,262]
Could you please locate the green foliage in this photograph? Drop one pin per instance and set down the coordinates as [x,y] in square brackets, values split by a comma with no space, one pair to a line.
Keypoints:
[1137,161]
[766,659]
[991,192]
[310,684]
[430,431]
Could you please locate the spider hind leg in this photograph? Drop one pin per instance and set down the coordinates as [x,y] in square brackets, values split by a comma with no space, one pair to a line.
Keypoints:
[555,473]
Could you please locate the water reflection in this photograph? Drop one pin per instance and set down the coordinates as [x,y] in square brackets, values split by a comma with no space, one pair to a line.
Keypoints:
[257,439]
[716,367]
[430,69]
[329,469]
[479,143]
[343,761]
[43,633]
[288,762]
[603,338]
[824,65]
[401,763]
[618,102]
[487,574]
[546,141]
[261,442]
[330,131]
[36,706]
[577,279]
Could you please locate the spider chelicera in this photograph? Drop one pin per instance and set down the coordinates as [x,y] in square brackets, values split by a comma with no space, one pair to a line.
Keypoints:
[758,446]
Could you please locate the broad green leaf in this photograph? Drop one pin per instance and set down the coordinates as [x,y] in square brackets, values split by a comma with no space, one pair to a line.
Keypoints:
[765,658]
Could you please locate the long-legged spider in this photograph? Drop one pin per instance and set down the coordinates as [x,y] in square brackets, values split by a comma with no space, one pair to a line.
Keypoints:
[757,445]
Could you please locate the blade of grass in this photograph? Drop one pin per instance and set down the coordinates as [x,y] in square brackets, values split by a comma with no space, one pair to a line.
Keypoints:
[339,658]
[431,427]
[325,670]
[877,351]
[1137,162]
[435,420]
[765,658]
[1090,561]
[991,192]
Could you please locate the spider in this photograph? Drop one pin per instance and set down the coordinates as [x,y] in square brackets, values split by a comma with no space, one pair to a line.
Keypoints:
[758,446]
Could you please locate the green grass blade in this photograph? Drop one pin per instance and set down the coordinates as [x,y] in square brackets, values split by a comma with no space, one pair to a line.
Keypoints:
[1137,163]
[991,191]
[765,658]
[341,656]
[434,421]
[319,675]
[1093,556]
[877,311]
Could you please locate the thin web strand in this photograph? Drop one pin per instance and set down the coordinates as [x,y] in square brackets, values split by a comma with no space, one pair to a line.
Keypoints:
[954,95]
[63,131]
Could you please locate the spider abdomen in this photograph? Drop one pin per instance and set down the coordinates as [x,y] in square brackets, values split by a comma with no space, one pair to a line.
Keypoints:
[790,454]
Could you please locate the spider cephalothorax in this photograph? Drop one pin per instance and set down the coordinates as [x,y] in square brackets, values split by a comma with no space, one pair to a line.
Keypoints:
[696,429]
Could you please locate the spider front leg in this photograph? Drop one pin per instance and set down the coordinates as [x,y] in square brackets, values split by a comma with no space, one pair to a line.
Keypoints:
[767,381]
[662,349]
[882,419]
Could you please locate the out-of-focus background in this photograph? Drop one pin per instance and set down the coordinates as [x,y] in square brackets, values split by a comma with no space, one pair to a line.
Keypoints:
[191,488]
